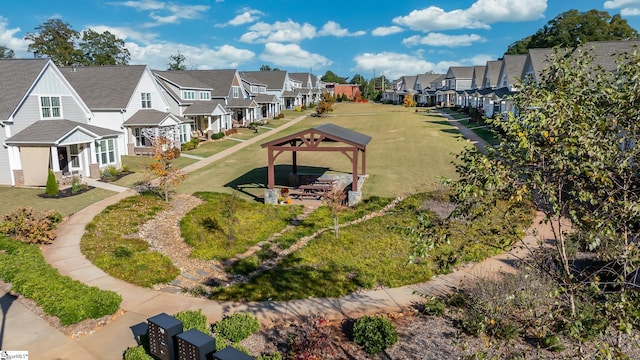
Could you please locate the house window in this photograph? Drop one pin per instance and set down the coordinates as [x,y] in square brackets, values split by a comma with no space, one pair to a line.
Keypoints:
[74,156]
[183,129]
[50,106]
[106,151]
[146,100]
[188,95]
[141,140]
[236,91]
[205,95]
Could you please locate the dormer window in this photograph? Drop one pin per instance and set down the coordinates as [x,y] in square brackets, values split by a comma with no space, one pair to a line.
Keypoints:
[50,107]
[146,100]
[205,95]
[188,95]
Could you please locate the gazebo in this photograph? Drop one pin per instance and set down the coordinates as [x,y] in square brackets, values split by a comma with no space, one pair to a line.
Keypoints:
[327,137]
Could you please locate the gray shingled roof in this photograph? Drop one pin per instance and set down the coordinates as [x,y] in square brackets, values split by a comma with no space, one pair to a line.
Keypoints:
[427,79]
[149,118]
[105,87]
[460,72]
[219,80]
[50,132]
[344,134]
[182,78]
[478,75]
[539,60]
[274,80]
[493,70]
[20,74]
[202,107]
[241,103]
[514,65]
[266,98]
[605,52]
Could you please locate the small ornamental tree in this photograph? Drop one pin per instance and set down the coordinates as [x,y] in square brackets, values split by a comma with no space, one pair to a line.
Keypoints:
[408,101]
[326,104]
[162,165]
[334,200]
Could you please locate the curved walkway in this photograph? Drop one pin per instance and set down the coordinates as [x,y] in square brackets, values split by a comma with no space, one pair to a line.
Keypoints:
[23,330]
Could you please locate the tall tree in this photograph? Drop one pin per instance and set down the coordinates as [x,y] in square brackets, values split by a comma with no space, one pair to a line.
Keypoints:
[265,68]
[572,28]
[572,151]
[103,49]
[56,40]
[331,77]
[6,53]
[162,165]
[177,62]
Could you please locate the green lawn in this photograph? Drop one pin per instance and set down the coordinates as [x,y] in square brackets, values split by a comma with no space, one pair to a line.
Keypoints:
[13,197]
[140,164]
[408,152]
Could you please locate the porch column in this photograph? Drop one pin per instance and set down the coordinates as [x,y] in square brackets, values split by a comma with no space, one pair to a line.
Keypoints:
[209,122]
[54,155]
[88,158]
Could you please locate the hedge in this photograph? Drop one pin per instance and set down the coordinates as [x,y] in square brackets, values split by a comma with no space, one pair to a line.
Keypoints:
[71,301]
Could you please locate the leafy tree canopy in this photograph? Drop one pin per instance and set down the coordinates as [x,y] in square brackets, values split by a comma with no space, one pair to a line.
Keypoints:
[6,53]
[55,39]
[103,49]
[268,68]
[177,62]
[572,28]
[331,77]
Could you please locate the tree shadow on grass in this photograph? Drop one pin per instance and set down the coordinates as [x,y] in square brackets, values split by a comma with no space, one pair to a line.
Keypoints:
[256,179]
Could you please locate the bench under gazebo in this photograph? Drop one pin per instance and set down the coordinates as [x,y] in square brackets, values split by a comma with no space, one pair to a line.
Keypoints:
[322,138]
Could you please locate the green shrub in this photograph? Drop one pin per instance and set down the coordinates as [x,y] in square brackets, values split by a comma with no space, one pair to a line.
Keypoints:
[77,185]
[433,307]
[28,225]
[238,326]
[52,188]
[190,145]
[192,319]
[71,301]
[137,353]
[217,136]
[281,116]
[374,333]
[275,356]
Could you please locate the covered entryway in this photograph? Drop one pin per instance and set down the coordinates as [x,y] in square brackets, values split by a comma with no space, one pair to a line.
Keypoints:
[323,138]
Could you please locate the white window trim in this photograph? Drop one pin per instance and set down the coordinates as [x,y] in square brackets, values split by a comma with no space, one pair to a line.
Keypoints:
[145,100]
[188,95]
[105,143]
[236,91]
[50,107]
[205,95]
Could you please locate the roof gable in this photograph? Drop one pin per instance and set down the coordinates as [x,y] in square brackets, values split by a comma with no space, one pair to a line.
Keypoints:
[22,75]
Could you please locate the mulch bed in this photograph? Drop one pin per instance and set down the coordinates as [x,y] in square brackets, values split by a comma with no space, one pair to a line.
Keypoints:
[65,193]
[116,177]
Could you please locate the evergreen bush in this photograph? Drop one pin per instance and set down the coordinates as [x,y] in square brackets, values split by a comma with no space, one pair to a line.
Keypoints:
[52,188]
[374,333]
[238,326]
[192,319]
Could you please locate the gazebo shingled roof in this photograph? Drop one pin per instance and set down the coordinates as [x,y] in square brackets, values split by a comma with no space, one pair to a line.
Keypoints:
[312,139]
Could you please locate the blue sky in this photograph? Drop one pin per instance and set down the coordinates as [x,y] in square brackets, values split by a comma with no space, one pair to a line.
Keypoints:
[393,38]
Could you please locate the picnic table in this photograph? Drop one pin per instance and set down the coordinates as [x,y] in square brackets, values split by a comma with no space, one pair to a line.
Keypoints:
[316,191]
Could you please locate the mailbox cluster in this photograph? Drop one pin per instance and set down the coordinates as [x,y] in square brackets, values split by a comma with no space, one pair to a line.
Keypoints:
[167,341]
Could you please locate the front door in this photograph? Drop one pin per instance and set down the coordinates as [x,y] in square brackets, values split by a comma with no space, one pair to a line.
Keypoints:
[63,160]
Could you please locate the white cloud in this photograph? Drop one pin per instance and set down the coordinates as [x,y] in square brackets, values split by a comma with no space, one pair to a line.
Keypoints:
[292,55]
[394,65]
[386,30]
[478,16]
[165,12]
[156,56]
[439,39]
[627,7]
[245,17]
[7,38]
[332,28]
[288,31]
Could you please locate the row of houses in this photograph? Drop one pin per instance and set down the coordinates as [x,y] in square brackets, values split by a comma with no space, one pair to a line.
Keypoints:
[487,87]
[79,120]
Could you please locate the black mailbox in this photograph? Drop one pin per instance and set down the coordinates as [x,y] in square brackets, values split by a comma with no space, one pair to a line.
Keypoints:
[195,345]
[162,331]
[230,353]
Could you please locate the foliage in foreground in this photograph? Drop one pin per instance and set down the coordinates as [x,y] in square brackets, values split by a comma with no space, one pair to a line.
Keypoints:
[374,333]
[193,319]
[24,267]
[111,243]
[528,306]
[30,226]
[373,253]
[236,327]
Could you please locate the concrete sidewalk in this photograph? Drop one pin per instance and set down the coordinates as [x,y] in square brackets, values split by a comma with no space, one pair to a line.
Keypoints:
[23,330]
